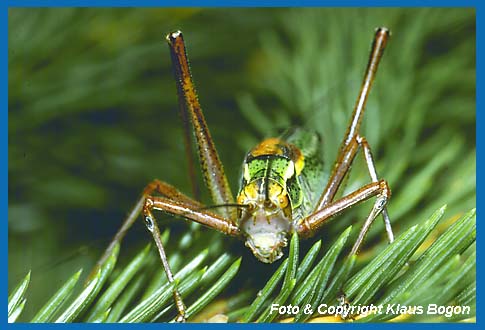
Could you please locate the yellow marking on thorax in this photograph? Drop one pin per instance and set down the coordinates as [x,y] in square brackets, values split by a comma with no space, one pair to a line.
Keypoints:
[278,194]
[275,146]
[252,192]
[246,174]
[271,146]
[299,163]
[249,192]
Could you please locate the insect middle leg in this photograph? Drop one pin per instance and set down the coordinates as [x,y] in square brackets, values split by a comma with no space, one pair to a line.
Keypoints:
[176,203]
[311,224]
[341,169]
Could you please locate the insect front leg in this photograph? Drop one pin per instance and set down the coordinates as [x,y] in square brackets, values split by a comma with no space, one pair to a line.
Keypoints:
[311,224]
[157,186]
[190,212]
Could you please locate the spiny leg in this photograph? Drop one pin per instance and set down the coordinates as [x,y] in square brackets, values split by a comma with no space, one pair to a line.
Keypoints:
[190,212]
[325,208]
[214,175]
[213,171]
[212,168]
[188,149]
[310,225]
[347,151]
[379,204]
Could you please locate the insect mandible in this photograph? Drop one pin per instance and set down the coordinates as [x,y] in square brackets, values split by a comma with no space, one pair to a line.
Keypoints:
[279,193]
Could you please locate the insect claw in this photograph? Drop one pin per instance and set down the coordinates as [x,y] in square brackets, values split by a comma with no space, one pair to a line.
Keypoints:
[180,318]
[345,307]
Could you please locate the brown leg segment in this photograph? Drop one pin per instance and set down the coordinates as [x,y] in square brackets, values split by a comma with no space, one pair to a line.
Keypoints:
[342,168]
[347,152]
[326,207]
[190,212]
[310,225]
[155,231]
[373,175]
[158,186]
[188,145]
[174,202]
[212,168]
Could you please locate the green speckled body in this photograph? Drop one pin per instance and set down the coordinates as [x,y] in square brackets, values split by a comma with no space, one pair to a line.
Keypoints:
[290,168]
[312,179]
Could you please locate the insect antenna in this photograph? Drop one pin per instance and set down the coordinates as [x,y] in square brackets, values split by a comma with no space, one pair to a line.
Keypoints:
[210,207]
[216,206]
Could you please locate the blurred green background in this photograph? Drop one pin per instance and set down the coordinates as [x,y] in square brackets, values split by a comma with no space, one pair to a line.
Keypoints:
[93,114]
